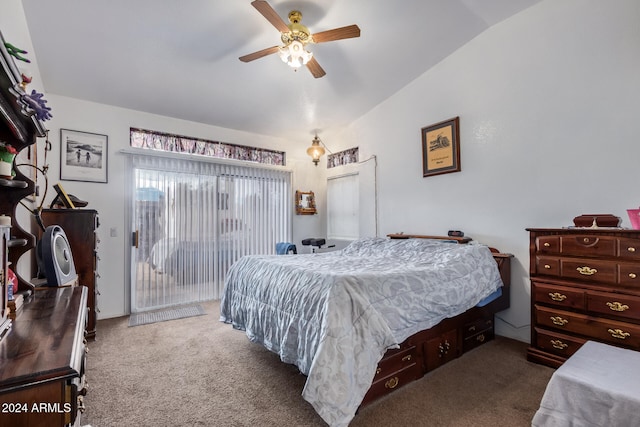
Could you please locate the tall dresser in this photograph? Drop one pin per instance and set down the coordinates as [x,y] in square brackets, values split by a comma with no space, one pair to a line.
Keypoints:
[585,285]
[80,226]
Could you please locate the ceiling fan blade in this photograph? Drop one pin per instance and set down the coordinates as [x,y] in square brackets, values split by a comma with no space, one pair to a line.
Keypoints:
[347,32]
[272,16]
[315,68]
[259,54]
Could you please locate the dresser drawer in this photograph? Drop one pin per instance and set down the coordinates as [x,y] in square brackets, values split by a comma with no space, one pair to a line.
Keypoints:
[589,270]
[548,244]
[629,275]
[556,343]
[583,269]
[547,266]
[559,296]
[609,273]
[587,245]
[611,304]
[629,248]
[615,332]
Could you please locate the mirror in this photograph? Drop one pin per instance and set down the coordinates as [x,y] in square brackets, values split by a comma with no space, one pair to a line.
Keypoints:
[305,203]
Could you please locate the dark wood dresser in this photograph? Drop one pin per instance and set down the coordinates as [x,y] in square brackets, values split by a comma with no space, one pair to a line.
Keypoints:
[80,226]
[585,285]
[43,360]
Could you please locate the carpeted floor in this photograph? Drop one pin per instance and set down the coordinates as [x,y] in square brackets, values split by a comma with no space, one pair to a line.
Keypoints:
[198,371]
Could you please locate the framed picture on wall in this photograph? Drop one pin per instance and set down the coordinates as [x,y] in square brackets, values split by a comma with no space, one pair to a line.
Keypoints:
[83,156]
[441,148]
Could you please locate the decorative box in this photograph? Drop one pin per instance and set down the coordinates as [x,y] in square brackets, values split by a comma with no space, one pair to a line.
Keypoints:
[597,220]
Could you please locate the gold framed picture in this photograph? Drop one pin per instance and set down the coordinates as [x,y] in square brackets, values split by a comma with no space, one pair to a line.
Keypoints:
[441,148]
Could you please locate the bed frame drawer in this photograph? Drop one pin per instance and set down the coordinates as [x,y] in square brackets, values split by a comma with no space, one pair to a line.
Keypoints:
[392,382]
[441,349]
[396,361]
[476,333]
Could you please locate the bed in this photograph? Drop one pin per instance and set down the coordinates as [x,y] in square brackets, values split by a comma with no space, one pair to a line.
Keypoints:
[362,321]
[181,257]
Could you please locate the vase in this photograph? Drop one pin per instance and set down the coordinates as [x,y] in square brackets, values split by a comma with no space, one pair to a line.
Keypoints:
[6,170]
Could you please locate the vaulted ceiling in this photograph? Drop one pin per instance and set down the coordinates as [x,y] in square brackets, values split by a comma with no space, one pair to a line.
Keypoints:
[179,58]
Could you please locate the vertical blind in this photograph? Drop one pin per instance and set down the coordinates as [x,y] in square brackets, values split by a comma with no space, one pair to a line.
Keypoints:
[196,218]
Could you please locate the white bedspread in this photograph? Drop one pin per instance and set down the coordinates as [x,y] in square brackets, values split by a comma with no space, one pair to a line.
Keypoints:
[335,314]
[598,386]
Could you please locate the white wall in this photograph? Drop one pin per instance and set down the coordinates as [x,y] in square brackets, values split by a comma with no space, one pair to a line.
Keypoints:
[549,102]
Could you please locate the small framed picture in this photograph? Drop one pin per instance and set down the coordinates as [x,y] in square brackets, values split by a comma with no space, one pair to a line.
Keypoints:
[441,148]
[83,156]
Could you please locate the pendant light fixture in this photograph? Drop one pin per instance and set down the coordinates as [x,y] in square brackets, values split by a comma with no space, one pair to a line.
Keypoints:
[316,150]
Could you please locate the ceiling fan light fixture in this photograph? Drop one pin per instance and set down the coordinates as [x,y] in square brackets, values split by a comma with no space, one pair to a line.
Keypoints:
[315,151]
[294,54]
[295,37]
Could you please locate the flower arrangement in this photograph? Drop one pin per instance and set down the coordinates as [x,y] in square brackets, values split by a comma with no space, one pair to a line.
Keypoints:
[7,152]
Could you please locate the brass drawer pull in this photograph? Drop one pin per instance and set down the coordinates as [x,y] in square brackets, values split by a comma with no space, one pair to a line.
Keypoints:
[559,344]
[559,321]
[406,358]
[547,266]
[443,349]
[472,328]
[587,271]
[557,296]
[617,306]
[631,249]
[480,338]
[632,275]
[619,333]
[546,245]
[378,371]
[392,383]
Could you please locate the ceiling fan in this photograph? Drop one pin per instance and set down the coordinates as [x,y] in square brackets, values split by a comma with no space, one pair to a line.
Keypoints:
[295,38]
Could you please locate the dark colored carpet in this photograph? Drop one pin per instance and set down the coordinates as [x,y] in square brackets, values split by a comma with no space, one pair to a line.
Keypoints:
[198,371]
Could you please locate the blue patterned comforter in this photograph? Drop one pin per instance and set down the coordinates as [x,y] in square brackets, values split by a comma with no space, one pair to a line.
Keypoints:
[335,314]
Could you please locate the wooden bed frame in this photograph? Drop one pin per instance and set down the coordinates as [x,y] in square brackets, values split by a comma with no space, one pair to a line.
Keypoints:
[432,348]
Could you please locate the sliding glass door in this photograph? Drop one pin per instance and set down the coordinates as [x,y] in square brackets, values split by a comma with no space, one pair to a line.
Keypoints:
[192,220]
